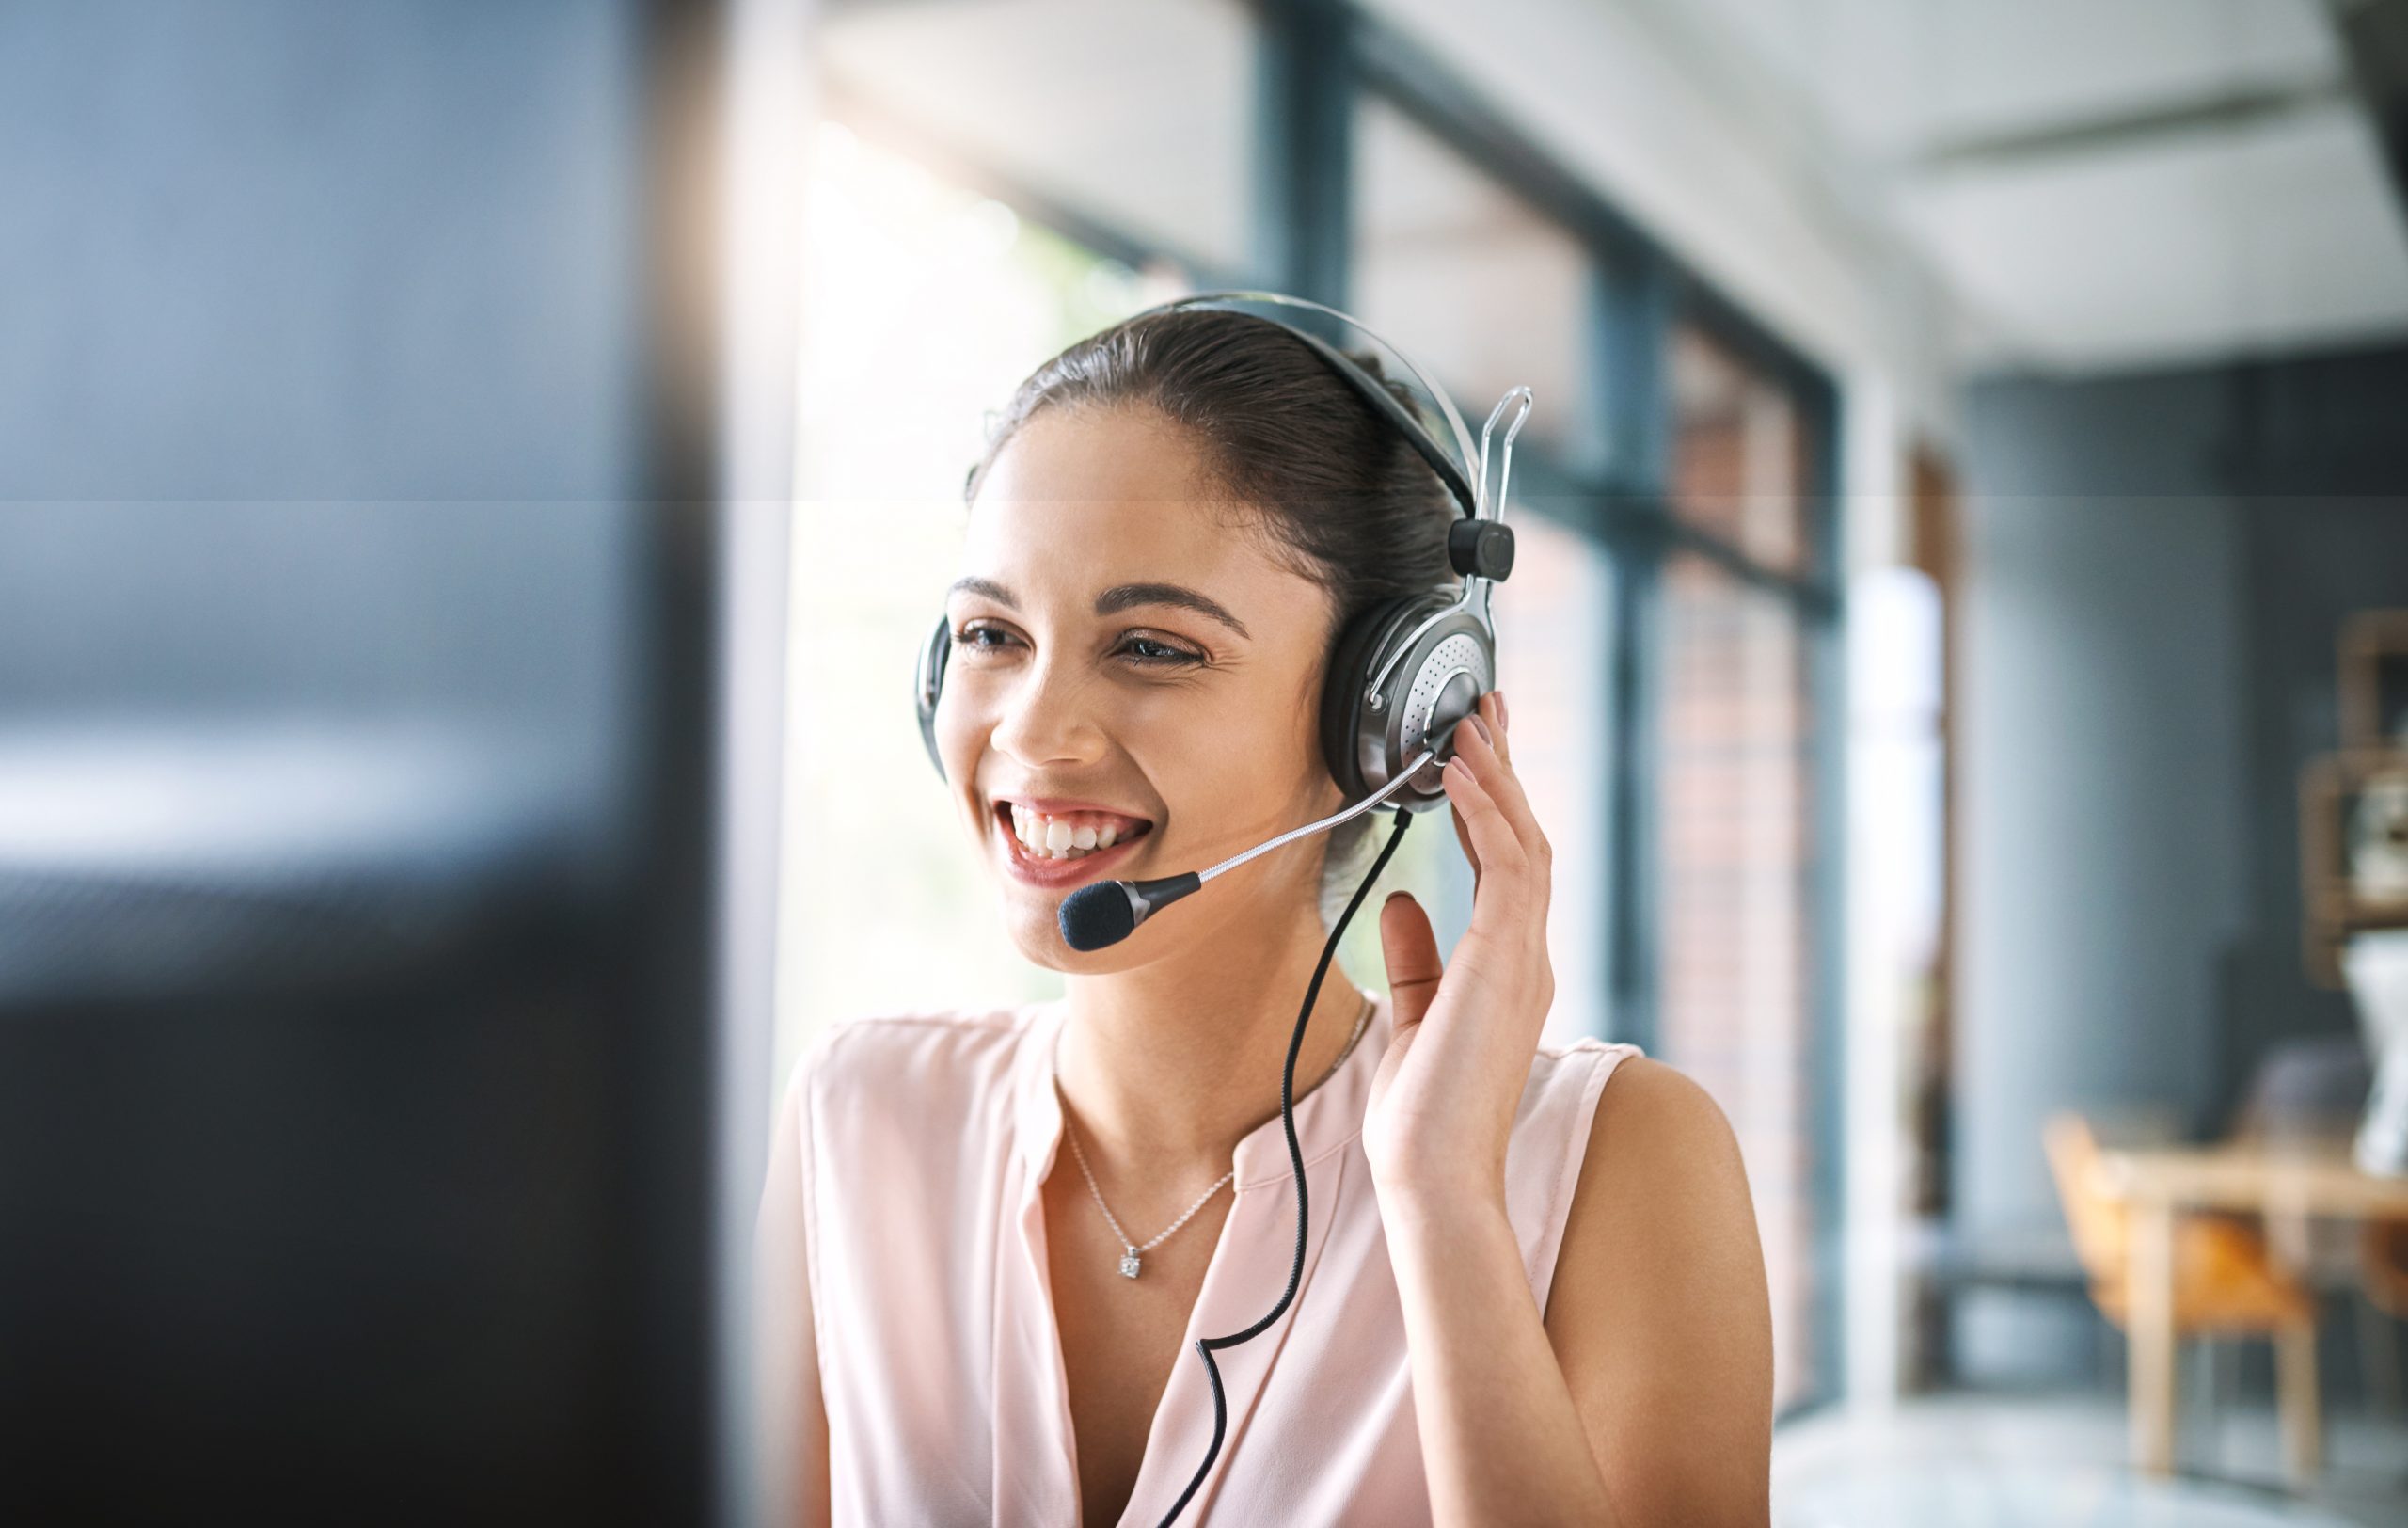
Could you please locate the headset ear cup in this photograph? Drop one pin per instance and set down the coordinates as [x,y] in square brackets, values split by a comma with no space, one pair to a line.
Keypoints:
[928,686]
[1351,664]
[1445,658]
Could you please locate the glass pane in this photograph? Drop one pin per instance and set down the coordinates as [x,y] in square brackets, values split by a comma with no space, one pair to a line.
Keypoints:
[1471,281]
[1740,456]
[922,308]
[1137,114]
[1739,854]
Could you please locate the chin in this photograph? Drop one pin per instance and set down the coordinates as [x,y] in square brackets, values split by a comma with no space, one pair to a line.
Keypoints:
[1032,923]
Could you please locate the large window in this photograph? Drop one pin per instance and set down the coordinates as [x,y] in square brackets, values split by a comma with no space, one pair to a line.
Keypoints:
[1740,852]
[1737,825]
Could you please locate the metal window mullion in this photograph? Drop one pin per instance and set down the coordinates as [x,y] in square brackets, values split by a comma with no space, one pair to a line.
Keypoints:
[1629,359]
[1826,679]
[1304,122]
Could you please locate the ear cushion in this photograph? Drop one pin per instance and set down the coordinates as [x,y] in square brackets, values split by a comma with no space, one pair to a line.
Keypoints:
[927,685]
[1360,650]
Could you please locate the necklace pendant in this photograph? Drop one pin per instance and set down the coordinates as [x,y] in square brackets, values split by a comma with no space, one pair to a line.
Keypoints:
[1129,1265]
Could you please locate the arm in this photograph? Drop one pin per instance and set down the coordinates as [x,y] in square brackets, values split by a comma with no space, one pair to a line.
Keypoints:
[1502,1441]
[1645,1395]
[1658,1315]
[794,1452]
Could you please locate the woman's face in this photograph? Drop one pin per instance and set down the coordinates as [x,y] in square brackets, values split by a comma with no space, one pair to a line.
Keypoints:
[1131,662]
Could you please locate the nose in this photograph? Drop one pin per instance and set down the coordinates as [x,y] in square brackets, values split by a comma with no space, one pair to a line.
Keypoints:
[1042,716]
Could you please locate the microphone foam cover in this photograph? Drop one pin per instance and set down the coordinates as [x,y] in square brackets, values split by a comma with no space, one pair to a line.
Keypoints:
[1097,915]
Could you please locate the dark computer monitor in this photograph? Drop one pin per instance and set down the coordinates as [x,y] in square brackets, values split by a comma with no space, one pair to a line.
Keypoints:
[365,1040]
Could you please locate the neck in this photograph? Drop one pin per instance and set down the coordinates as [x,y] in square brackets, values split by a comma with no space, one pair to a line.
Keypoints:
[1166,1067]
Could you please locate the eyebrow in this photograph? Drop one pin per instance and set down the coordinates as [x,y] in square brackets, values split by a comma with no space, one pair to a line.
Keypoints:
[1120,596]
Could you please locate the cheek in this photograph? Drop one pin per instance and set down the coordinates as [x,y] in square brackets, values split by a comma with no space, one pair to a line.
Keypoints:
[962,738]
[955,742]
[1259,768]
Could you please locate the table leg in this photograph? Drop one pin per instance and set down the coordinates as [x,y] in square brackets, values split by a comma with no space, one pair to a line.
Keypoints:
[2295,1383]
[2149,1307]
[2286,1243]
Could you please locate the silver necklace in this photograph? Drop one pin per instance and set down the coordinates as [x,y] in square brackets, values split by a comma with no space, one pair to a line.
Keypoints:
[1132,1253]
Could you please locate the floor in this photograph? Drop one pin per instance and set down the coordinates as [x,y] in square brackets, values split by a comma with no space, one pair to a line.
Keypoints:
[2042,1462]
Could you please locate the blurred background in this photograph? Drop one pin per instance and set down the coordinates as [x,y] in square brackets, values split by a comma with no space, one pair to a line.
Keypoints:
[473,478]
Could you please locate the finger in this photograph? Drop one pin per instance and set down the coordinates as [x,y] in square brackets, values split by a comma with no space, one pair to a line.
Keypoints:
[1491,835]
[1463,836]
[1410,949]
[1494,775]
[1492,708]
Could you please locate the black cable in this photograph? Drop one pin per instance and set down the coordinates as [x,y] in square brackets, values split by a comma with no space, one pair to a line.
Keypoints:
[1205,1346]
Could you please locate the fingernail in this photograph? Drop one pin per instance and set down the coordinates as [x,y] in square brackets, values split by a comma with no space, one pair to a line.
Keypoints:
[1502,720]
[1481,728]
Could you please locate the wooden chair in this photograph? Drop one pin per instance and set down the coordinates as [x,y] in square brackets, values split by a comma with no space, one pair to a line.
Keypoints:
[2224,1282]
[2384,1266]
[2382,1276]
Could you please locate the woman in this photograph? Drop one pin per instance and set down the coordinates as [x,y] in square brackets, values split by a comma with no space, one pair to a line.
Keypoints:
[1528,1297]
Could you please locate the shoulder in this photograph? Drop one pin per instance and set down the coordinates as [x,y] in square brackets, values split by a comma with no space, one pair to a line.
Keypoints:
[1661,1153]
[1654,1110]
[1563,1094]
[934,1047]
[886,1072]
[1577,1068]
[901,1046]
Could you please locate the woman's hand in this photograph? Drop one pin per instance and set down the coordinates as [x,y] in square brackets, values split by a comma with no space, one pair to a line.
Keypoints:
[1444,1099]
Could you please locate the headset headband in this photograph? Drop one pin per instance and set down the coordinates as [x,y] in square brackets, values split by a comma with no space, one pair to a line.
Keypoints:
[1452,470]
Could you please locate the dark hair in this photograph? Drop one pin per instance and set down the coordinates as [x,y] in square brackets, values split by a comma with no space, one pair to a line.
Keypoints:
[1348,502]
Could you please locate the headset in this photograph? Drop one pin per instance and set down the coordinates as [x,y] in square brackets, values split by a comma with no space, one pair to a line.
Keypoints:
[1403,675]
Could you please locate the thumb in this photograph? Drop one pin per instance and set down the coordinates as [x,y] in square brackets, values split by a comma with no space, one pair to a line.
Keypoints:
[1410,950]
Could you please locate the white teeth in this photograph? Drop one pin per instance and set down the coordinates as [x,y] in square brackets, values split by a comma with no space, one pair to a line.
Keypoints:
[1046,837]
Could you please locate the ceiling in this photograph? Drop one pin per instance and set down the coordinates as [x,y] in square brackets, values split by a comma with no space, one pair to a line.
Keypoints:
[2089,184]
[2105,183]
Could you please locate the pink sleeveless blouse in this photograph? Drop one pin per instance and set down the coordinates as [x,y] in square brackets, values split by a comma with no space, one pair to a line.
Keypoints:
[924,1138]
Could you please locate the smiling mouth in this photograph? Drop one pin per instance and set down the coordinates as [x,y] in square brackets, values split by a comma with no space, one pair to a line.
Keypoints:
[1050,840]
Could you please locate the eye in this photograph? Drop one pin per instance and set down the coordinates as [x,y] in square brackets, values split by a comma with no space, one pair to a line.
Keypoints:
[969,637]
[1159,654]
